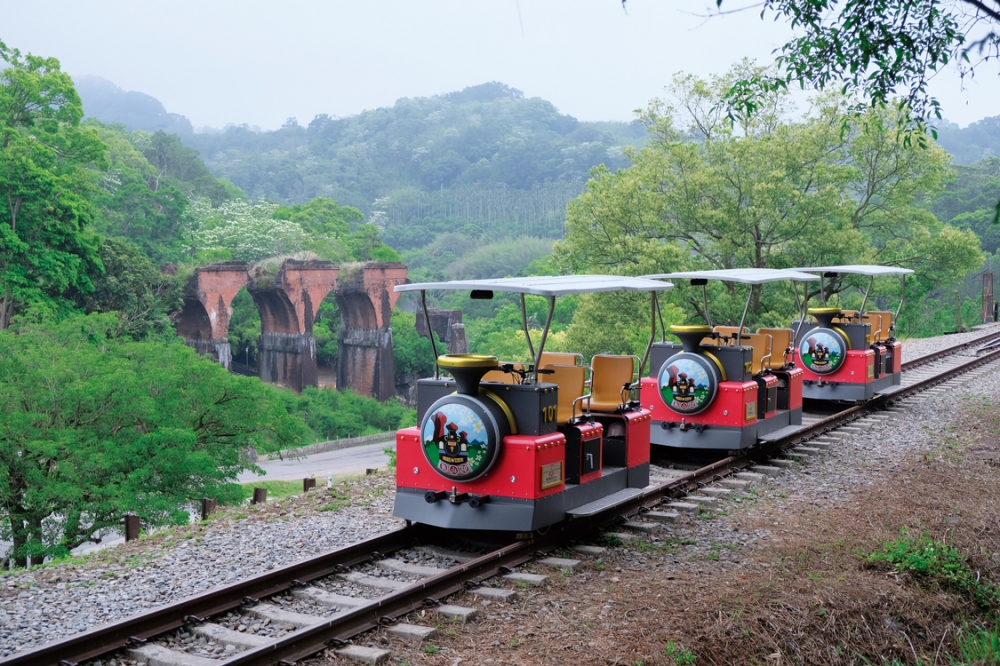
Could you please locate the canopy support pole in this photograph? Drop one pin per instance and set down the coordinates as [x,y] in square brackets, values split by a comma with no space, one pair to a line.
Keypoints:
[545,333]
[902,297]
[659,314]
[654,308]
[430,331]
[524,320]
[704,294]
[739,331]
[802,306]
[864,301]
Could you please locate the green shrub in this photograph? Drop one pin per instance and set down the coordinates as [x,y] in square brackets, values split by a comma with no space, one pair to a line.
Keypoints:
[936,563]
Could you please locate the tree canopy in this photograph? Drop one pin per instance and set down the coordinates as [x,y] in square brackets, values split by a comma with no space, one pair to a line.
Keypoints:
[766,192]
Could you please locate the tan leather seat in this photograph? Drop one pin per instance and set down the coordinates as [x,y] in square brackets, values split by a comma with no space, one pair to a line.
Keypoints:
[609,375]
[729,330]
[781,341]
[886,324]
[560,358]
[571,381]
[761,344]
[876,326]
[503,377]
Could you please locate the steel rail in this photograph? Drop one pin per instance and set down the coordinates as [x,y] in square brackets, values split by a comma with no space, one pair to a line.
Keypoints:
[944,353]
[135,629]
[346,624]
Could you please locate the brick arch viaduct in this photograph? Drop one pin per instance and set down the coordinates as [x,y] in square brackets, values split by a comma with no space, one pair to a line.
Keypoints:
[287,303]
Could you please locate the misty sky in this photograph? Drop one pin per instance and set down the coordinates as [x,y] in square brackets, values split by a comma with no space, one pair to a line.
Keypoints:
[260,62]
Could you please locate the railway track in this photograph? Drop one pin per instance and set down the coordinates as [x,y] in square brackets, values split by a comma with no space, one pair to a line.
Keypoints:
[296,611]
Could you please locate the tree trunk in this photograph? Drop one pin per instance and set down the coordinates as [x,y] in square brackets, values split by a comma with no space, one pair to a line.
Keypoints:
[36,541]
[6,308]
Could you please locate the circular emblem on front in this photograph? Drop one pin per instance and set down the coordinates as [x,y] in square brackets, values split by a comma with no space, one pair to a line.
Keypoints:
[822,350]
[688,383]
[460,438]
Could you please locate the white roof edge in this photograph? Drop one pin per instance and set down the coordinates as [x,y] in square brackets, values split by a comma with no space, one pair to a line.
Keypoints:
[873,270]
[741,275]
[545,285]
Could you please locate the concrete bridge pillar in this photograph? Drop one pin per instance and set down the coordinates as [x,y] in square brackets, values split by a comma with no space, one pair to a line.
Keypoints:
[204,318]
[287,303]
[365,297]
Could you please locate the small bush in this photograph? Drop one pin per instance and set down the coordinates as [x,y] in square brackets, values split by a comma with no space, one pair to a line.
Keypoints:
[935,563]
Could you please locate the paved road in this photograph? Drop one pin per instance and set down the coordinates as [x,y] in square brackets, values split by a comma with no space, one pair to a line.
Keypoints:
[353,460]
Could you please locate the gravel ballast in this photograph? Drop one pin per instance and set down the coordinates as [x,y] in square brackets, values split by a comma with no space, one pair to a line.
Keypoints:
[50,603]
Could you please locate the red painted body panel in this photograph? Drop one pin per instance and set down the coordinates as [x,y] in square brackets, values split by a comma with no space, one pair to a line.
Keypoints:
[728,408]
[897,355]
[637,437]
[858,368]
[521,459]
[794,387]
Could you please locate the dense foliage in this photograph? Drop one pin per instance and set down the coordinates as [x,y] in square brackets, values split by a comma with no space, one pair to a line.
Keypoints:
[338,414]
[94,426]
[769,192]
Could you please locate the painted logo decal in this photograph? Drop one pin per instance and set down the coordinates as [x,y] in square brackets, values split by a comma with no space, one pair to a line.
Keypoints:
[684,385]
[822,351]
[455,441]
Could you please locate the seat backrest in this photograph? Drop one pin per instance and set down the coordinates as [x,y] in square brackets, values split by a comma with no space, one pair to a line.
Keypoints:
[848,315]
[503,377]
[571,379]
[781,340]
[560,358]
[761,344]
[876,323]
[609,374]
[729,330]
[886,326]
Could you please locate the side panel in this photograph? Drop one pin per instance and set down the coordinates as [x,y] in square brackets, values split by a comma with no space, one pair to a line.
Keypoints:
[734,406]
[517,473]
[858,368]
[897,355]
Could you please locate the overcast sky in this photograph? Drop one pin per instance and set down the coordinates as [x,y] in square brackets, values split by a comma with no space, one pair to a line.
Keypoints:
[262,61]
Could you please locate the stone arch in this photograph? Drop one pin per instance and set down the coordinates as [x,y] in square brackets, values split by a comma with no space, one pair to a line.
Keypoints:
[365,298]
[207,310]
[287,306]
[288,303]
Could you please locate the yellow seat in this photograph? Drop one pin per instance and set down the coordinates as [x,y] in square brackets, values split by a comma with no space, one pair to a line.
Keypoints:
[886,324]
[560,358]
[761,344]
[609,375]
[503,377]
[781,342]
[571,380]
[875,322]
[727,335]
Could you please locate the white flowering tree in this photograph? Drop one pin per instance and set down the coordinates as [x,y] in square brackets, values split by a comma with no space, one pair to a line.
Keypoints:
[247,231]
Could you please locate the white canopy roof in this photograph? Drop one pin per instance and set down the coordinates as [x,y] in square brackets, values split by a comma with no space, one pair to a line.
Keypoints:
[743,275]
[871,271]
[545,285]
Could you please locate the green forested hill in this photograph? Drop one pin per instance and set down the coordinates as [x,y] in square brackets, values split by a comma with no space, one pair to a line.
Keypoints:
[485,161]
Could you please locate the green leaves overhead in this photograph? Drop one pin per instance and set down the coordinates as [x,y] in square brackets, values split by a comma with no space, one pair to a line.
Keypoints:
[93,427]
[48,165]
[766,192]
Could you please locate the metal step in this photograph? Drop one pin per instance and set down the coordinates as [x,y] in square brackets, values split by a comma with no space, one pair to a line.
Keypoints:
[599,505]
[781,433]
